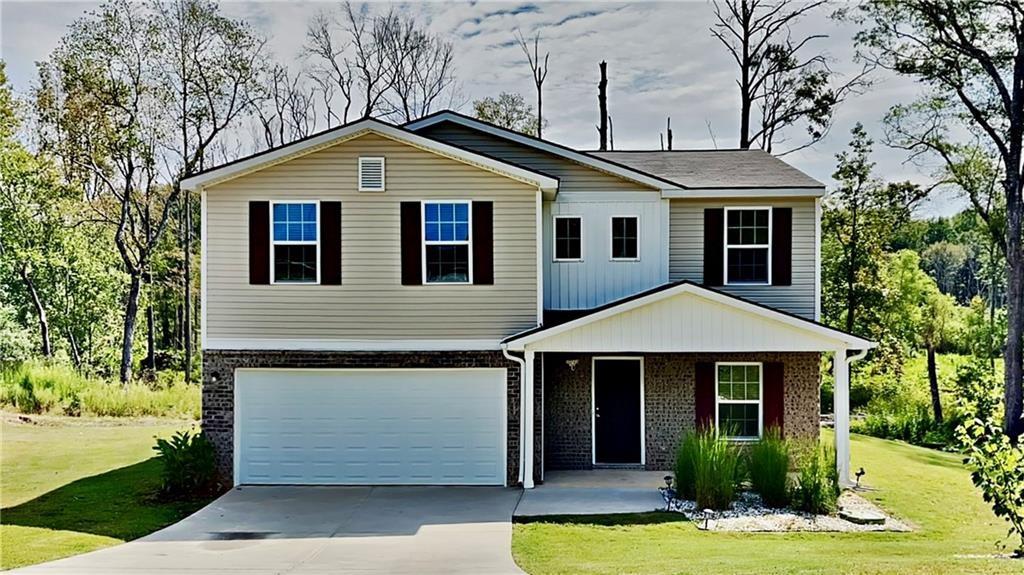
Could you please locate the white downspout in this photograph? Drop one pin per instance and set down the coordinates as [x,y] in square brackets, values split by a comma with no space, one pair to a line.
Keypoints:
[841,409]
[522,412]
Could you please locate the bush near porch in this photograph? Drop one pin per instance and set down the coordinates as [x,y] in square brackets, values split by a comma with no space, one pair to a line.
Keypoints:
[955,531]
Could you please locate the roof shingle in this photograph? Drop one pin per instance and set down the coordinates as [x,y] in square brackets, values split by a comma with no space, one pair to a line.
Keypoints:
[715,168]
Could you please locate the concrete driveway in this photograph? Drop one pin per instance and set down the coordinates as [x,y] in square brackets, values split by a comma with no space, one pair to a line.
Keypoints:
[319,530]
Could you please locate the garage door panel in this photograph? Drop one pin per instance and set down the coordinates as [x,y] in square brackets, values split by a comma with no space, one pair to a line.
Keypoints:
[371,426]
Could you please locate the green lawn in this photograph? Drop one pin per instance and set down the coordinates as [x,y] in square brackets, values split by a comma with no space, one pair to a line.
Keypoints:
[956,532]
[71,486]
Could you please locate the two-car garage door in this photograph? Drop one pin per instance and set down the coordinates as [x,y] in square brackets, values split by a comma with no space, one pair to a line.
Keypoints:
[371,426]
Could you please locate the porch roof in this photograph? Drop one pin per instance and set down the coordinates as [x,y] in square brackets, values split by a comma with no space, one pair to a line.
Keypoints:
[685,317]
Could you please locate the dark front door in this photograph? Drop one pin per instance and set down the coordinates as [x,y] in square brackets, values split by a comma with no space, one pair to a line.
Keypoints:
[617,410]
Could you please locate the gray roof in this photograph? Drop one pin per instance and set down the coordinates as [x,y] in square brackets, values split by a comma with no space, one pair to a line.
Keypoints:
[715,168]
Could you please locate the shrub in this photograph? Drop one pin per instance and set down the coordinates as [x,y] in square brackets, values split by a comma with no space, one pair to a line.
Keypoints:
[817,488]
[686,455]
[708,467]
[768,466]
[189,465]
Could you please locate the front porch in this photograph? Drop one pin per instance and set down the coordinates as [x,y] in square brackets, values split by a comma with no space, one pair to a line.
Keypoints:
[617,386]
[594,492]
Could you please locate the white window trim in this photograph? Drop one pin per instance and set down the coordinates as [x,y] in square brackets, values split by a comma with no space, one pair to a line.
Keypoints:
[554,238]
[273,270]
[611,238]
[727,247]
[759,401]
[593,405]
[383,170]
[423,241]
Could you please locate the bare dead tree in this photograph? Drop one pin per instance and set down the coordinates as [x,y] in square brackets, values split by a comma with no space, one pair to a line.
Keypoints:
[602,105]
[668,131]
[611,133]
[538,70]
[332,72]
[372,66]
[287,111]
[786,87]
[423,69]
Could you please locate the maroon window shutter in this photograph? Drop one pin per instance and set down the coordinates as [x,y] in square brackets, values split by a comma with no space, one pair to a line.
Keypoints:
[412,255]
[330,243]
[782,246]
[773,402]
[259,243]
[704,394]
[714,244]
[483,243]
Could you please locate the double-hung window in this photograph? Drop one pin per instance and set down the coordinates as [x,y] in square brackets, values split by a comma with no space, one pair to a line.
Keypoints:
[568,238]
[748,245]
[295,240]
[738,400]
[625,234]
[446,243]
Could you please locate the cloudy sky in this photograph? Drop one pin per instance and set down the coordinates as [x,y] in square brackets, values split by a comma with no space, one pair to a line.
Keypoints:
[662,62]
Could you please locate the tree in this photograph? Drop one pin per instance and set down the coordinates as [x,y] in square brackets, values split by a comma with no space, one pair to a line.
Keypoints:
[286,111]
[508,110]
[938,322]
[970,55]
[539,72]
[424,70]
[602,105]
[943,261]
[786,87]
[861,215]
[103,111]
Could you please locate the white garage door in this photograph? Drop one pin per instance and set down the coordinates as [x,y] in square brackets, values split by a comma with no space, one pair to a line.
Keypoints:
[401,426]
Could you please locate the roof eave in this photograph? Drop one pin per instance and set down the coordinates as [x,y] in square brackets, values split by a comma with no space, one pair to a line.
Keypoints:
[751,192]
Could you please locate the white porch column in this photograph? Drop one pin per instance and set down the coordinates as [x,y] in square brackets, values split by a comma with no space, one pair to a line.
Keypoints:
[526,427]
[841,409]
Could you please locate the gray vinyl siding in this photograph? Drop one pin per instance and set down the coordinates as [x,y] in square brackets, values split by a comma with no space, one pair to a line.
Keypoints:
[573,177]
[686,252]
[598,279]
[371,303]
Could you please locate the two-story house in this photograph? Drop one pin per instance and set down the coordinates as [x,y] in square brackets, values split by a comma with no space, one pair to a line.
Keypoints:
[450,302]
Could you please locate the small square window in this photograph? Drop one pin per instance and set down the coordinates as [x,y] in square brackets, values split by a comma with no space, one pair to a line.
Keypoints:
[568,238]
[625,245]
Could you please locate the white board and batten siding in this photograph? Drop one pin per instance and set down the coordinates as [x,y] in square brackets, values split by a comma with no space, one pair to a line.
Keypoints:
[686,322]
[597,279]
[686,252]
[370,426]
[370,304]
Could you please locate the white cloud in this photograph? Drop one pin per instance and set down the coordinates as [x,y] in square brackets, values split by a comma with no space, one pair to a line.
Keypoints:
[661,59]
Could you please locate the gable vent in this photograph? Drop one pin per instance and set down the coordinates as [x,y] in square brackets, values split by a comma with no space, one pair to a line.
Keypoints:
[371,174]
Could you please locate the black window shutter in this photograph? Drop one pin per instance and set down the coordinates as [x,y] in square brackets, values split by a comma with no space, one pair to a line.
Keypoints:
[782,246]
[259,243]
[412,257]
[483,243]
[330,243]
[704,394]
[774,400]
[714,246]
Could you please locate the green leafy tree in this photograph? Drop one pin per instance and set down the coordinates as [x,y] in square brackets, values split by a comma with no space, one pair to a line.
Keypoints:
[508,110]
[970,57]
[861,216]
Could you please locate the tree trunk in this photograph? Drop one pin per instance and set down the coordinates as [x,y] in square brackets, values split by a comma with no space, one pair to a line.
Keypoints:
[188,287]
[37,303]
[1013,395]
[150,328]
[933,384]
[131,312]
[540,117]
[76,352]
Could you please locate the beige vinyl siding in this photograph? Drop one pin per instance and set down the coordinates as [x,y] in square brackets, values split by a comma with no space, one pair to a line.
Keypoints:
[573,177]
[371,303]
[686,251]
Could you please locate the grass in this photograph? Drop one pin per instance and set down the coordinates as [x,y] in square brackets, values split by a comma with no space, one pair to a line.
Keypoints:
[58,389]
[956,532]
[75,485]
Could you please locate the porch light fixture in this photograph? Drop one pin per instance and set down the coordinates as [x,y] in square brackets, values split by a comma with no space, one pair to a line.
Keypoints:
[572,363]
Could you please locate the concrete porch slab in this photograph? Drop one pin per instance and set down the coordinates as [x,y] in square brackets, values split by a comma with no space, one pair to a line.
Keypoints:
[597,492]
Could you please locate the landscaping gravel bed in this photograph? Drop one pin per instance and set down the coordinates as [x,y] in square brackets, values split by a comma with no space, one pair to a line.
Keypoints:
[748,514]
